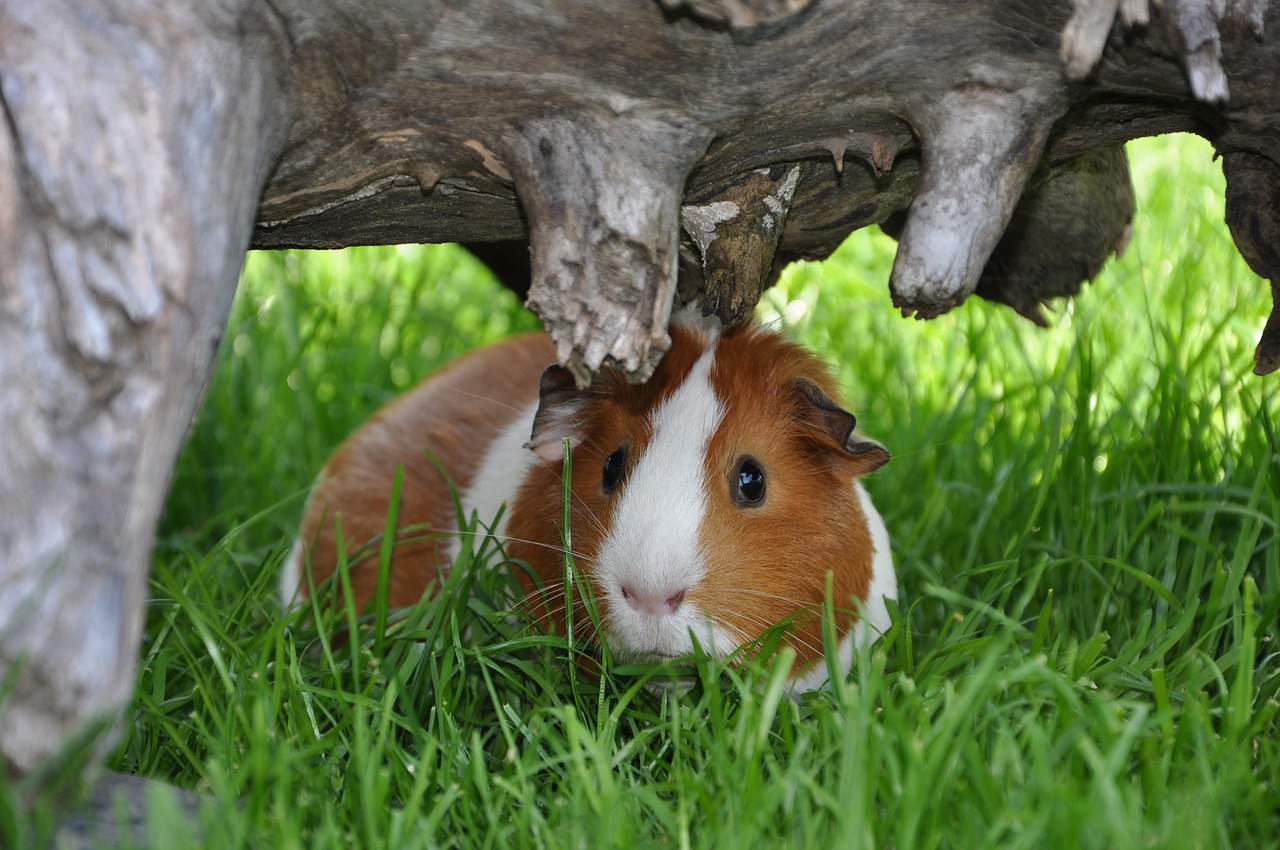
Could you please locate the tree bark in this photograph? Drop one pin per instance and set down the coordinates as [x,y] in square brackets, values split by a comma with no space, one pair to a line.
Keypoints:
[941,119]
[620,141]
[132,155]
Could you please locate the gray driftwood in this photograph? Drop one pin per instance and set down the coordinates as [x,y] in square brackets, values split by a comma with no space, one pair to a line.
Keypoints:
[145,144]
[137,137]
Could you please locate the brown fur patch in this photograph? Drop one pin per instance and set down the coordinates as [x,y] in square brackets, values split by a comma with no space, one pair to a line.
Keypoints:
[455,414]
[771,562]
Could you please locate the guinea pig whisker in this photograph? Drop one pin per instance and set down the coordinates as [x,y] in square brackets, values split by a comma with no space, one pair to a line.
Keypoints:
[763,623]
[737,631]
[507,538]
[501,538]
[548,591]
[800,605]
[590,514]
[580,502]
[789,600]
[796,639]
[756,621]
[799,641]
[551,601]
[494,401]
[766,622]
[548,596]
[794,604]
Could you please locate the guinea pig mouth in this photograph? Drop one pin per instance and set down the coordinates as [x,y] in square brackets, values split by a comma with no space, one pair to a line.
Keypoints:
[650,648]
[642,655]
[648,656]
[658,655]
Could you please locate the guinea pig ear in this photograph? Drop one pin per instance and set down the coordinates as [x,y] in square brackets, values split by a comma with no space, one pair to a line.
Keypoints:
[562,409]
[867,454]
[836,425]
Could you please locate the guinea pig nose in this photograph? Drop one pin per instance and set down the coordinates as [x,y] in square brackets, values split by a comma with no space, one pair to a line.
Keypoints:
[658,603]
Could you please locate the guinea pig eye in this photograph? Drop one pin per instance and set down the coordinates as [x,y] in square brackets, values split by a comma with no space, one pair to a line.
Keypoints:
[748,484]
[615,465]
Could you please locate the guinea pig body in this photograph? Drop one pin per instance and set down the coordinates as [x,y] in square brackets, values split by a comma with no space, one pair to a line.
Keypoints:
[715,500]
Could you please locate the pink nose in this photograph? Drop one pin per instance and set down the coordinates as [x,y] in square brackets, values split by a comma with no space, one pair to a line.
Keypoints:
[660,604]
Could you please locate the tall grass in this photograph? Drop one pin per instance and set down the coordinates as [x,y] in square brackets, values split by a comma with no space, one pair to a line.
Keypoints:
[1086,522]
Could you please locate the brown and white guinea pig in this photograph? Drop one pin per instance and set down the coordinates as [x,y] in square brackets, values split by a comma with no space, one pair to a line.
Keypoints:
[711,501]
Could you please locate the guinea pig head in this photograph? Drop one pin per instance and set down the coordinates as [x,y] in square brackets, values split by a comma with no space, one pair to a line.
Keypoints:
[708,504]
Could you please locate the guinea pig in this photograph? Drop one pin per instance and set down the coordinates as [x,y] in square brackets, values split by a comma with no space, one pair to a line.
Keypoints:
[711,502]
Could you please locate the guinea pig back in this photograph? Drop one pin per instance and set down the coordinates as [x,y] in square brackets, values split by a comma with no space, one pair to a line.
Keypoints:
[715,500]
[458,415]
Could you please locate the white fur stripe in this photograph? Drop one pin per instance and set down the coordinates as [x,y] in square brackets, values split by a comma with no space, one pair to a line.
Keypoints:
[653,545]
[884,581]
[506,464]
[875,614]
[291,574]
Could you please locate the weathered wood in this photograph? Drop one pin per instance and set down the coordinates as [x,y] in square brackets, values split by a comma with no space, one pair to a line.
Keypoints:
[602,195]
[131,158]
[737,239]
[140,136]
[981,145]
[1072,217]
[116,811]
[895,98]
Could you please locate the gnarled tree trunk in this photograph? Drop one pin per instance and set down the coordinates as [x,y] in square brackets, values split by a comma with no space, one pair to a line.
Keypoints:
[136,140]
[620,140]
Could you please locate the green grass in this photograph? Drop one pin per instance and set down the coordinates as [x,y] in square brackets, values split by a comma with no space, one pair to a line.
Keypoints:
[1086,522]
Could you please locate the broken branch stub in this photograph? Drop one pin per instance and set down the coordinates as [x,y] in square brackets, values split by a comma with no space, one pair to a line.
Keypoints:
[1267,356]
[1072,217]
[602,197]
[980,144]
[736,232]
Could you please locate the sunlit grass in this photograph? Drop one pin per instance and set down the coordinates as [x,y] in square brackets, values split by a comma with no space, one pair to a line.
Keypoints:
[1085,520]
